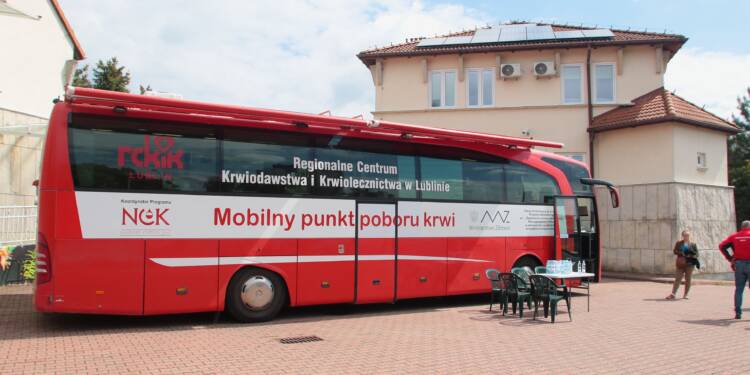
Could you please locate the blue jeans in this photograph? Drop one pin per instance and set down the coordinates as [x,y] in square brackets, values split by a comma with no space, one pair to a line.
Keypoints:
[741,277]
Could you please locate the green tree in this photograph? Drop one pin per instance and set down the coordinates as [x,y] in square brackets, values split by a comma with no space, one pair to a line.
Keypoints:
[81,77]
[739,159]
[109,75]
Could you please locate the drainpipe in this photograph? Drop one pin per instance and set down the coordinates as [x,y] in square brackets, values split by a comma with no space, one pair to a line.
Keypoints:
[590,108]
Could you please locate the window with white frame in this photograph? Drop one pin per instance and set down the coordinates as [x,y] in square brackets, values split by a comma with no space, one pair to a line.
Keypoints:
[604,83]
[442,88]
[480,87]
[580,156]
[702,161]
[572,83]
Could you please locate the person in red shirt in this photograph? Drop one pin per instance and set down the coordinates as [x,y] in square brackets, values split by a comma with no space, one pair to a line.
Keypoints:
[740,259]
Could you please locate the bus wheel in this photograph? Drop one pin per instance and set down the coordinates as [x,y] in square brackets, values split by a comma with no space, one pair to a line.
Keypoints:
[527,261]
[255,295]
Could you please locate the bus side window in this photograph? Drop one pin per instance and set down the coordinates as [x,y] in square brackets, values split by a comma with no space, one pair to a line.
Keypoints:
[528,185]
[441,179]
[258,162]
[121,155]
[483,182]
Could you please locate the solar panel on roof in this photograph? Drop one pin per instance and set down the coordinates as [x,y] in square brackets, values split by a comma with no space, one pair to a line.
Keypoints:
[572,34]
[431,42]
[598,33]
[516,34]
[543,32]
[486,35]
[458,40]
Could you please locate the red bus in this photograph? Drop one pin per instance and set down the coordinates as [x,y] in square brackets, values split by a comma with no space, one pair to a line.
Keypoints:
[150,205]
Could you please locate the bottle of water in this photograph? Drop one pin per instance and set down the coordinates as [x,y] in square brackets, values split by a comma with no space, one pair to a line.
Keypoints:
[583,266]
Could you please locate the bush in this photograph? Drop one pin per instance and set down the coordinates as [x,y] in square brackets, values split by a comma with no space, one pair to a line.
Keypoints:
[29,266]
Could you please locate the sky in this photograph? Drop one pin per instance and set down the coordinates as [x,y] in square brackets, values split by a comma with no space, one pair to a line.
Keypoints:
[300,55]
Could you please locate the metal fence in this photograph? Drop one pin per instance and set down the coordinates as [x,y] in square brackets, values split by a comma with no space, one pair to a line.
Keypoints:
[17,225]
[17,236]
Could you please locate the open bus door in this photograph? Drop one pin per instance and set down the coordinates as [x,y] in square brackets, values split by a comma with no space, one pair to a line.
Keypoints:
[577,229]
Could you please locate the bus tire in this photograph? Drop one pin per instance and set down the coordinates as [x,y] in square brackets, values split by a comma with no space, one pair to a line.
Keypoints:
[527,261]
[255,295]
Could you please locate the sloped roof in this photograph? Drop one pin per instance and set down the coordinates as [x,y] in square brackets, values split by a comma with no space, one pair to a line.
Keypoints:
[78,53]
[671,42]
[659,106]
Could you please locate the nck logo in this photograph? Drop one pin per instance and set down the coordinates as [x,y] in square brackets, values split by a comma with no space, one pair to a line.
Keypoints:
[157,152]
[142,216]
[498,217]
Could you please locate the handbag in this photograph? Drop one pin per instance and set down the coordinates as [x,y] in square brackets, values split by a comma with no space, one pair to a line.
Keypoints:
[681,262]
[694,261]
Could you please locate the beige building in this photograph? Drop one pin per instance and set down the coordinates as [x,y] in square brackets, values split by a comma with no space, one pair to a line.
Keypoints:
[598,91]
[38,61]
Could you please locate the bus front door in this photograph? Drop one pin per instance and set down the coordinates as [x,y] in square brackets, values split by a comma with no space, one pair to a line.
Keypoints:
[567,231]
[376,253]
[576,232]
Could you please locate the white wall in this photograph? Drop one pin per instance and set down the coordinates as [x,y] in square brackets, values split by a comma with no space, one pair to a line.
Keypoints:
[33,57]
[690,140]
[661,153]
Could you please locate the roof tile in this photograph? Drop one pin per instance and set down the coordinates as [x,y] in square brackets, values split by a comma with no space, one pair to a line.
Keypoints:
[659,106]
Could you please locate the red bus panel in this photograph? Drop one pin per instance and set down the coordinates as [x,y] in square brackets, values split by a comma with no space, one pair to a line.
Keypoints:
[182,288]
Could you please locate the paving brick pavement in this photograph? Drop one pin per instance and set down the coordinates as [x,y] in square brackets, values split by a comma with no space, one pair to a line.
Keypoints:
[630,330]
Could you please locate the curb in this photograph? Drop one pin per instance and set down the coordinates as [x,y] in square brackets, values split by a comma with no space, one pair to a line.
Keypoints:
[663,279]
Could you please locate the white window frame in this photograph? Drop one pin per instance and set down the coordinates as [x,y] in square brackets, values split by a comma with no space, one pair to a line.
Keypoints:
[562,84]
[702,162]
[579,156]
[614,83]
[442,88]
[480,98]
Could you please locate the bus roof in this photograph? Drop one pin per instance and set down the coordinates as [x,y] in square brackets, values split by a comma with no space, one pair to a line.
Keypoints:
[102,98]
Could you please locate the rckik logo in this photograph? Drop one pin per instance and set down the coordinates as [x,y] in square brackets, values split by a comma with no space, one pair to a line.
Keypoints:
[499,216]
[156,153]
[143,216]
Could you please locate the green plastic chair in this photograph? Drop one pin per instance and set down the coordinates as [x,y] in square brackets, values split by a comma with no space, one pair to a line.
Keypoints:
[498,289]
[514,294]
[540,269]
[525,283]
[547,292]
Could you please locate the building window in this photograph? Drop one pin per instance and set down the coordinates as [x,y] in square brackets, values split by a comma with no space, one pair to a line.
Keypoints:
[572,83]
[442,88]
[580,156]
[480,87]
[604,83]
[702,161]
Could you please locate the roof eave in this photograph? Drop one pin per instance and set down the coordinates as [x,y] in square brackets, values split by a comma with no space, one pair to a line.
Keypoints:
[678,41]
[633,124]
[78,52]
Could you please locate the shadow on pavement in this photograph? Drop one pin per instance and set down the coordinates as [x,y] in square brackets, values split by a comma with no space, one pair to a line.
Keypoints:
[663,300]
[18,320]
[716,322]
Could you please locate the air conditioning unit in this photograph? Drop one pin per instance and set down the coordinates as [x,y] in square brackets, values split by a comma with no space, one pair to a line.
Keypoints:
[508,71]
[544,68]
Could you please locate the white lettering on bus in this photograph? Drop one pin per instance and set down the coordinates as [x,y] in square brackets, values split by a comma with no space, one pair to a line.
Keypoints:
[262,178]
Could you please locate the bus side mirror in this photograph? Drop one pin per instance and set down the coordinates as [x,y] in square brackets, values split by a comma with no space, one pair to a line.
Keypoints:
[614,196]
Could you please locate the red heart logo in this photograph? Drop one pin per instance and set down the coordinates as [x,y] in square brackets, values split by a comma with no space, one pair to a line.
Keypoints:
[163,143]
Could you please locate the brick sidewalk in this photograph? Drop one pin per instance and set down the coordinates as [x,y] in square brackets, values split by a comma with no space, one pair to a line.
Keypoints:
[629,330]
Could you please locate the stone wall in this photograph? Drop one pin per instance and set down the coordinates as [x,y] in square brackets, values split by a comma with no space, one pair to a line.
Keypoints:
[639,235]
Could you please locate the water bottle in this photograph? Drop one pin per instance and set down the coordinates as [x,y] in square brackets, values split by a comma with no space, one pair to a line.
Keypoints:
[583,266]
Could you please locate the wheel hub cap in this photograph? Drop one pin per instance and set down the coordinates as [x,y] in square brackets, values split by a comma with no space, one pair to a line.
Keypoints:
[257,292]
